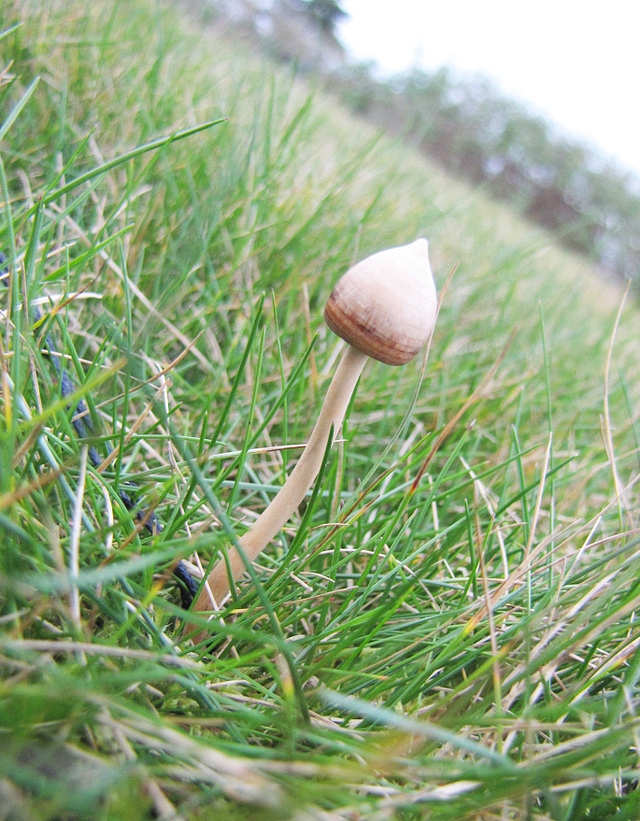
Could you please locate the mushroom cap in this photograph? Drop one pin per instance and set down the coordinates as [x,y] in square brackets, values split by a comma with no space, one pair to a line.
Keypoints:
[385,306]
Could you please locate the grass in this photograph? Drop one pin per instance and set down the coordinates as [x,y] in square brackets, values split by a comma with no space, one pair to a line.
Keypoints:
[449,630]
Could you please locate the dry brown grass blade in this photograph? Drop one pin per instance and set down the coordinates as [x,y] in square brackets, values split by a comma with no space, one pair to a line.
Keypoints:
[64,646]
[7,499]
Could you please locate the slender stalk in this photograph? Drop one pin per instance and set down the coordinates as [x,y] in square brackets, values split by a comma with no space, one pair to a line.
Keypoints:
[291,494]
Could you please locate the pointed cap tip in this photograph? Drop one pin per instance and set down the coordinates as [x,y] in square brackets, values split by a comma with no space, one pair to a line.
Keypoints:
[386,305]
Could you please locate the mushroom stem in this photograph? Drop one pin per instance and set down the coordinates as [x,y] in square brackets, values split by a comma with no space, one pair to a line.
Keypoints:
[291,494]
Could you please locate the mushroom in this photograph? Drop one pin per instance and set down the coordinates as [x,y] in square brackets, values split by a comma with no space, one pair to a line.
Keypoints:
[384,308]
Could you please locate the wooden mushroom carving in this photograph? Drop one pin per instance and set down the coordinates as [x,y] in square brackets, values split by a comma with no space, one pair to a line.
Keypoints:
[384,308]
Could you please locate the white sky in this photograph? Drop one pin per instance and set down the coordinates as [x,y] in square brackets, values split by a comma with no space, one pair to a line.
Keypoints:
[575,61]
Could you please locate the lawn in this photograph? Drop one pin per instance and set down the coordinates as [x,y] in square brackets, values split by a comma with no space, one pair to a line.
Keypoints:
[447,629]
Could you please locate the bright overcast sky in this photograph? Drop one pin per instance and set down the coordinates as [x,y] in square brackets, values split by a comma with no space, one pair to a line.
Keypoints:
[576,61]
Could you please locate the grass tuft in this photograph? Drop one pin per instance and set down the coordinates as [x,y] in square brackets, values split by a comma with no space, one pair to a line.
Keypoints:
[448,630]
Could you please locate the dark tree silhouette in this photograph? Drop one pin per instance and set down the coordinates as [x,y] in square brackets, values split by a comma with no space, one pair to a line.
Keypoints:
[327,13]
